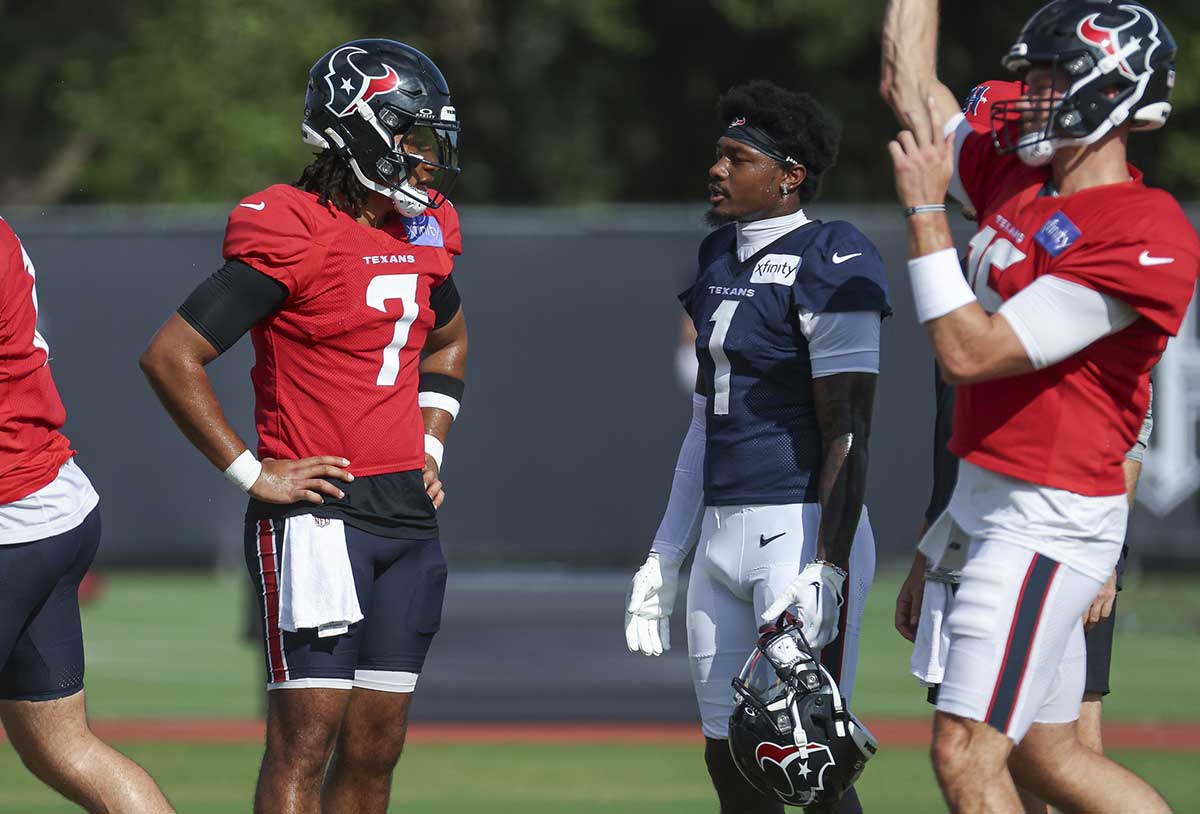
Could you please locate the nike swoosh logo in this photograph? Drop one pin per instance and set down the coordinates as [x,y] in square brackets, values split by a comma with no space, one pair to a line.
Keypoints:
[258,207]
[1146,260]
[762,541]
[838,259]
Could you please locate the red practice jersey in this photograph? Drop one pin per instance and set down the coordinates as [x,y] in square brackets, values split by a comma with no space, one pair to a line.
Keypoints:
[336,368]
[31,412]
[1069,426]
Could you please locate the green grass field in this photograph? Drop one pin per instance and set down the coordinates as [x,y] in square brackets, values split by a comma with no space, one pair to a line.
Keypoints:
[194,616]
[541,780]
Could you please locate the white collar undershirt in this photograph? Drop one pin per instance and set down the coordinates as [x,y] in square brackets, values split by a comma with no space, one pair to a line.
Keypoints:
[754,235]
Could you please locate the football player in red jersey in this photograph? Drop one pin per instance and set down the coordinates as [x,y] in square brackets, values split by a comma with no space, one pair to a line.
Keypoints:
[937,585]
[49,533]
[343,282]
[1077,277]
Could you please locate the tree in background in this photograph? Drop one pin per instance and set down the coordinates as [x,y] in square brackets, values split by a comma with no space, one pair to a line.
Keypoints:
[563,102]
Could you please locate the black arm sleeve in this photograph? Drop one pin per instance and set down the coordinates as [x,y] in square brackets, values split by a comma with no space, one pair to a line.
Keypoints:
[231,302]
[945,464]
[445,302]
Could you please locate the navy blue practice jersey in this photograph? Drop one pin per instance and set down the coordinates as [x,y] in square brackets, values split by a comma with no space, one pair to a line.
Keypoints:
[763,443]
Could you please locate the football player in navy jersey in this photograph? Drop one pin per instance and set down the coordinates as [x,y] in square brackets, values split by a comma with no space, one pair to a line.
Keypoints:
[772,472]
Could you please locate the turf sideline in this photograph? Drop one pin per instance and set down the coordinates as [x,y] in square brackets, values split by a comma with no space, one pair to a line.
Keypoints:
[890,732]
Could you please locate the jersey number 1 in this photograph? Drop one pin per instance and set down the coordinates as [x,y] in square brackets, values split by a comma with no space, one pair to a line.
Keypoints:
[716,348]
[401,287]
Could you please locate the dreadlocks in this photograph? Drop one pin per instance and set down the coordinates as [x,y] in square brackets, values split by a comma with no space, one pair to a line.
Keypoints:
[330,177]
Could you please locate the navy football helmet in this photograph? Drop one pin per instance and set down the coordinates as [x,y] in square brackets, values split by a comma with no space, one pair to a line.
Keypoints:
[791,733]
[365,94]
[1119,61]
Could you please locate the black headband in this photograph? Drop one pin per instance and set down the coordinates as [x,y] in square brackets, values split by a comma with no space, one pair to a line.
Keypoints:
[757,138]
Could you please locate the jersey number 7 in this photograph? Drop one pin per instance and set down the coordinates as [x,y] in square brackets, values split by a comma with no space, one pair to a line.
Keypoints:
[401,287]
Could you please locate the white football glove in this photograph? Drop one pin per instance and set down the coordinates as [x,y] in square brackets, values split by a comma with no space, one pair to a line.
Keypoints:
[817,596]
[648,609]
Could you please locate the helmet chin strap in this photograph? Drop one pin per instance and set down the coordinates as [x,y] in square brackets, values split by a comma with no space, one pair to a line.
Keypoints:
[1035,151]
[408,200]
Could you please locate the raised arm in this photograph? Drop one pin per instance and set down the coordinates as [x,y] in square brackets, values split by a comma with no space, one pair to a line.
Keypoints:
[1046,322]
[910,38]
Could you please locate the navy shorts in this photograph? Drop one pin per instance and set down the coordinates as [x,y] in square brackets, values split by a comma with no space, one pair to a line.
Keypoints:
[1100,642]
[400,585]
[41,639]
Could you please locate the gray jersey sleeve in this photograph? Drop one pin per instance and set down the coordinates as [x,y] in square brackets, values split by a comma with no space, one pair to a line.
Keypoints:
[1138,450]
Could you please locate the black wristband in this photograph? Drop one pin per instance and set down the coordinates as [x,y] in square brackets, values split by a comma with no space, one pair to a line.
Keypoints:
[442,383]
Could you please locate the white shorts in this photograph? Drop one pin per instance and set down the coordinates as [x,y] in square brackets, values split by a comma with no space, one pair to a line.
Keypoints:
[747,555]
[1081,531]
[1017,654]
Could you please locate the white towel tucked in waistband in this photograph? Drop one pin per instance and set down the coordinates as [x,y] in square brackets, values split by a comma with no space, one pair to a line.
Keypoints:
[928,663]
[317,589]
[946,546]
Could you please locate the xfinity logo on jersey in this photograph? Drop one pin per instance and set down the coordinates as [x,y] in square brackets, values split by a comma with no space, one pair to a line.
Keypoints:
[372,259]
[424,231]
[779,269]
[727,291]
[1057,234]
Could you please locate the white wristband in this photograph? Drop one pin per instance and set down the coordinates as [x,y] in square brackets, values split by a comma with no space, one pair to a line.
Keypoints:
[439,401]
[244,470]
[435,448]
[938,284]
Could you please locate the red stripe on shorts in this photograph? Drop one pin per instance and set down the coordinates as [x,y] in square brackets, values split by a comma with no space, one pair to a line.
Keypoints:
[269,567]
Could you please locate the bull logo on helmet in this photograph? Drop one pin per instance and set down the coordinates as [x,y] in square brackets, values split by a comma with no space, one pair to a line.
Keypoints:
[349,84]
[811,760]
[1109,40]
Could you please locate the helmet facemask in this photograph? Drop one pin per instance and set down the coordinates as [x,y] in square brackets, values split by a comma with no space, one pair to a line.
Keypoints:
[415,163]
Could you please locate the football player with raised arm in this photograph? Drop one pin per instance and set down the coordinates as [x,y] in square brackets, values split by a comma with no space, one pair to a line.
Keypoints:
[771,476]
[1076,279]
[1099,621]
[343,281]
[49,533]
